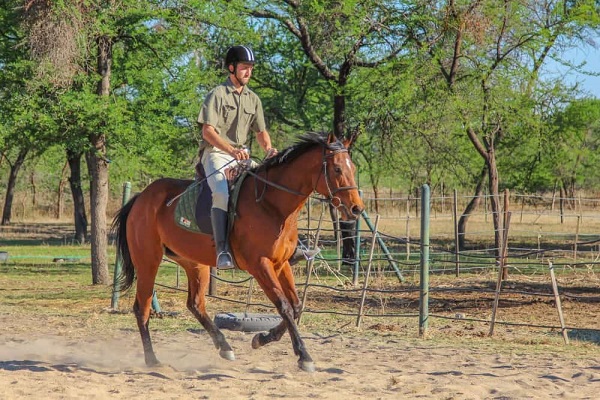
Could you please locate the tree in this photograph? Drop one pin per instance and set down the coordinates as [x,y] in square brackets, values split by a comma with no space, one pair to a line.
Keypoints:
[489,49]
[337,38]
[108,30]
[577,137]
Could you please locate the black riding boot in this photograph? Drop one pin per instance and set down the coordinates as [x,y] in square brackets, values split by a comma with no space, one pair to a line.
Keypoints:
[300,254]
[218,218]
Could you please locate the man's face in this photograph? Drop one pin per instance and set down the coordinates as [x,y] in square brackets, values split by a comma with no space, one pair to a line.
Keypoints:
[243,72]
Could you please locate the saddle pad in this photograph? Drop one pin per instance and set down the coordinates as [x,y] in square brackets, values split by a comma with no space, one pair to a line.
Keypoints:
[192,215]
[192,211]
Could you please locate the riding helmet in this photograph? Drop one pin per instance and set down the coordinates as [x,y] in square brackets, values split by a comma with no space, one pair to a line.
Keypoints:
[237,54]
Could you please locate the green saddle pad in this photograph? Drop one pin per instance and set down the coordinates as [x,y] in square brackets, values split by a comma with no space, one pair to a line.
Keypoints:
[185,211]
[194,204]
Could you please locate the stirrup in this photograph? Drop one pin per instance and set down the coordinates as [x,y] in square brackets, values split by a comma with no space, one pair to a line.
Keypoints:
[224,260]
[308,254]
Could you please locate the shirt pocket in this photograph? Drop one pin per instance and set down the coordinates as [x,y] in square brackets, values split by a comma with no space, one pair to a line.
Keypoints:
[248,115]
[229,112]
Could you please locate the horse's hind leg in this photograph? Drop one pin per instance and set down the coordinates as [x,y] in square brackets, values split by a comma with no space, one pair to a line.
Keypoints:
[198,282]
[289,290]
[143,319]
[147,261]
[274,334]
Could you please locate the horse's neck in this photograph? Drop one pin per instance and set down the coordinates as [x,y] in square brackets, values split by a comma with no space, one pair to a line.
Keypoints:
[293,179]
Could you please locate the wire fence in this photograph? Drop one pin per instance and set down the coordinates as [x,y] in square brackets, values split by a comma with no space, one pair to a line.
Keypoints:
[464,283]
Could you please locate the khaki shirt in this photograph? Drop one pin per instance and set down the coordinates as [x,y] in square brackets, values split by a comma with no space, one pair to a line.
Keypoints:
[232,115]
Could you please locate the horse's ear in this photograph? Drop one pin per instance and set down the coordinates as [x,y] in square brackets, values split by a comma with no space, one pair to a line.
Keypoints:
[331,138]
[349,141]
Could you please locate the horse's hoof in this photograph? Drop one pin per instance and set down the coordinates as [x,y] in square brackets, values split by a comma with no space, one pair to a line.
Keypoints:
[256,341]
[153,363]
[227,354]
[307,366]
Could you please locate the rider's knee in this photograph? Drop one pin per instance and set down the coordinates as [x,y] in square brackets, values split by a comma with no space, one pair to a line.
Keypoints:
[220,200]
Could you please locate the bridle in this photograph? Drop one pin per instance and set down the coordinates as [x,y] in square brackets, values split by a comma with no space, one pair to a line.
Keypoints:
[332,199]
[331,193]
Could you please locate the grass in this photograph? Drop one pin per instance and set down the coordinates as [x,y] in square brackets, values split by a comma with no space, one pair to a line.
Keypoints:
[62,296]
[33,286]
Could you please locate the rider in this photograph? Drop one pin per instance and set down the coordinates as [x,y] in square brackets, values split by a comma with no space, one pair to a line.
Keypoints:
[229,112]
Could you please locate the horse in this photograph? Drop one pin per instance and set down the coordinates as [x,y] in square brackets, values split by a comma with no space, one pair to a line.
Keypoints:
[262,239]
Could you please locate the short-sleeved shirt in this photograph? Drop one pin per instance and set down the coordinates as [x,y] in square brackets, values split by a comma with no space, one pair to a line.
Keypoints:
[232,115]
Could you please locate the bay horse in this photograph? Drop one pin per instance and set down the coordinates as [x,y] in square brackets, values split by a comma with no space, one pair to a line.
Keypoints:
[262,239]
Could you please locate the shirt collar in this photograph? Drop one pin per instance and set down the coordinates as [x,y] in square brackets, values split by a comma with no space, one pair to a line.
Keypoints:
[231,87]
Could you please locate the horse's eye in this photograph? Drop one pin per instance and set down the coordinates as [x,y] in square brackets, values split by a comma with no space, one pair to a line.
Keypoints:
[337,169]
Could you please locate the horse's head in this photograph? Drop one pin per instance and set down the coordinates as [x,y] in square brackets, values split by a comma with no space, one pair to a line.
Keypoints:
[337,180]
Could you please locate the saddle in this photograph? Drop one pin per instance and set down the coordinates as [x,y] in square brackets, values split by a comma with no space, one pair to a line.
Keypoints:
[192,211]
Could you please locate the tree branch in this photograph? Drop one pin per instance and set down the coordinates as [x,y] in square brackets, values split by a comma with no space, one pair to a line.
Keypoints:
[477,143]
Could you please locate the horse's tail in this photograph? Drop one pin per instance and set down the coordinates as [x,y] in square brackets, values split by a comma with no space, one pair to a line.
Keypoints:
[119,228]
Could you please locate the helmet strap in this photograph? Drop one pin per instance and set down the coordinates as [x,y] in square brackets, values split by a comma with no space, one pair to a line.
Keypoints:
[234,72]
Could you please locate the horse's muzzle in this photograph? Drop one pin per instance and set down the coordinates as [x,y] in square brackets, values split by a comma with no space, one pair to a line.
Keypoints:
[355,212]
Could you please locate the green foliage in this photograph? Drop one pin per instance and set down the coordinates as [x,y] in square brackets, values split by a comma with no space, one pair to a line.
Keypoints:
[402,92]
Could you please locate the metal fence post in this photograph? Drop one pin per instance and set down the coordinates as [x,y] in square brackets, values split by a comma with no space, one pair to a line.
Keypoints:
[424,285]
[114,304]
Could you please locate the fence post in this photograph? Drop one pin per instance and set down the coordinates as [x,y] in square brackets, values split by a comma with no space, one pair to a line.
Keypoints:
[576,239]
[424,286]
[381,243]
[357,247]
[456,238]
[408,229]
[114,304]
[505,226]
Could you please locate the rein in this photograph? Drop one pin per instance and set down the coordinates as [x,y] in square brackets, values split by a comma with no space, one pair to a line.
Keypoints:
[331,194]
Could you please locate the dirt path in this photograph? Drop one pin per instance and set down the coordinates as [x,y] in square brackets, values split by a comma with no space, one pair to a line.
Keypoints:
[52,363]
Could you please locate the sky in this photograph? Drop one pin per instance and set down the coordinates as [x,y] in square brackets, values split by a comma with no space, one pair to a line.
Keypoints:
[591,56]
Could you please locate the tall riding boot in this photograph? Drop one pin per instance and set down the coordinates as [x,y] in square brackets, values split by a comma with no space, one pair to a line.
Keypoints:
[300,254]
[218,218]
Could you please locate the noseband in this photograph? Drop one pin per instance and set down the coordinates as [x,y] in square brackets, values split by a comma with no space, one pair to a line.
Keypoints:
[331,193]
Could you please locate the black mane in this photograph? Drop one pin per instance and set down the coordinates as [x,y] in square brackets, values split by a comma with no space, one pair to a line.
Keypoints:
[301,146]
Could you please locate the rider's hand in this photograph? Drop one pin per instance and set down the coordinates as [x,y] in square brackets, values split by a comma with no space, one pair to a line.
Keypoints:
[240,154]
[271,152]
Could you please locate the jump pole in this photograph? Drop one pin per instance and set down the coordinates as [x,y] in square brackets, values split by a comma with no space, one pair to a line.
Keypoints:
[424,285]
[114,304]
[384,248]
[366,283]
[561,318]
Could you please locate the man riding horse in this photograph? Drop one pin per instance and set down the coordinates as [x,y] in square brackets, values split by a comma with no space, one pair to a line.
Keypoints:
[229,112]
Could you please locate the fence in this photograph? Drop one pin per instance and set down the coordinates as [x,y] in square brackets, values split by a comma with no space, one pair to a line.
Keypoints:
[466,285]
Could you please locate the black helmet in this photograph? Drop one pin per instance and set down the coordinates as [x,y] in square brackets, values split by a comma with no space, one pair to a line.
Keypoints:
[237,54]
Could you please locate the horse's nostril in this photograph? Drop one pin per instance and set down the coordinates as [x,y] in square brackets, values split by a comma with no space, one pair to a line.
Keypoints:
[356,210]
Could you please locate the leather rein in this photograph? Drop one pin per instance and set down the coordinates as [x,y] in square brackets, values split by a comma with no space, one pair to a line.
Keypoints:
[331,193]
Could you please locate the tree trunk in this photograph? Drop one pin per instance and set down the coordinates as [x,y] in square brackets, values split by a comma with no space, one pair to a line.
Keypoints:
[98,200]
[473,204]
[60,201]
[10,187]
[495,200]
[80,217]
[339,115]
[33,189]
[489,155]
[96,160]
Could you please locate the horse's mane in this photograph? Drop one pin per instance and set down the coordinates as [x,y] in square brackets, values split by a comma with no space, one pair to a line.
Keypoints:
[305,142]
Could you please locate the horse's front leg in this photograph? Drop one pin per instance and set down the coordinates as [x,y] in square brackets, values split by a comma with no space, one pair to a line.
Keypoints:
[287,305]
